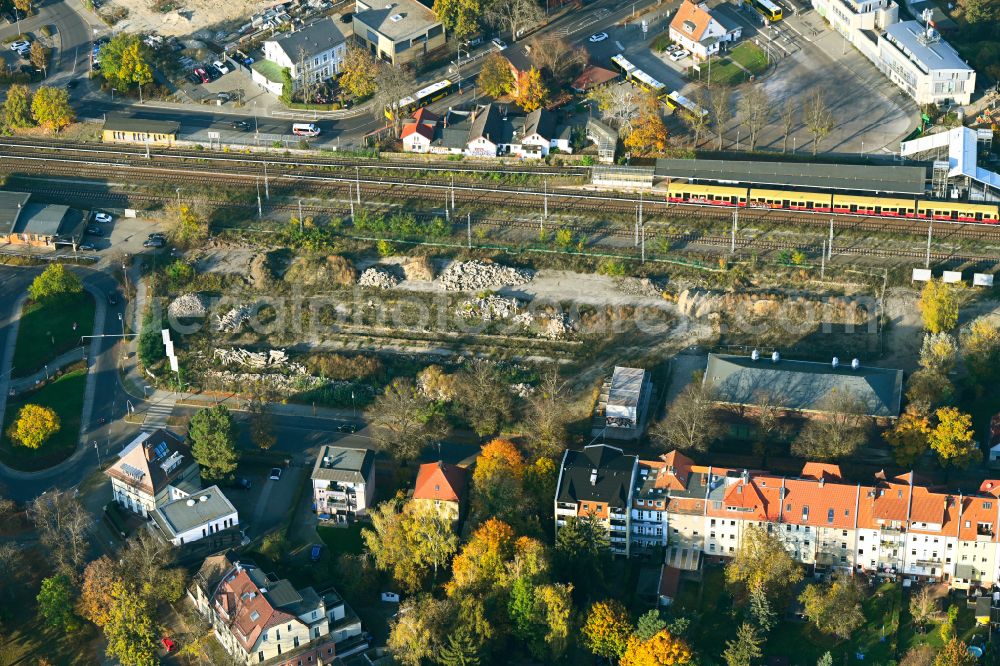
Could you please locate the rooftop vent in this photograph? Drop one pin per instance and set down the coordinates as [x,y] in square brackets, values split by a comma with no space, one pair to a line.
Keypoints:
[835,362]
[855,364]
[593,477]
[203,498]
[190,502]
[755,355]
[775,357]
[396,18]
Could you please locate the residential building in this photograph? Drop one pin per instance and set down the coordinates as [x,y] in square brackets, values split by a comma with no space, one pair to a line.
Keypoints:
[23,222]
[418,132]
[627,403]
[925,66]
[120,128]
[343,481]
[398,32]
[203,514]
[540,133]
[598,482]
[153,470]
[262,620]
[440,487]
[593,77]
[701,31]
[212,571]
[649,525]
[489,133]
[312,54]
[802,387]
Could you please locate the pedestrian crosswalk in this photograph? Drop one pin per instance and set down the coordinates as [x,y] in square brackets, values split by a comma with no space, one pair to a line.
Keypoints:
[158,414]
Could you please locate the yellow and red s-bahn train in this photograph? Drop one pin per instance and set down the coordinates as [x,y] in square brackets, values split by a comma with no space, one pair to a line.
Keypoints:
[824,202]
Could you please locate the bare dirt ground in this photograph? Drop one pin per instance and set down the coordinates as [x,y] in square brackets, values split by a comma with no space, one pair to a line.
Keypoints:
[190,17]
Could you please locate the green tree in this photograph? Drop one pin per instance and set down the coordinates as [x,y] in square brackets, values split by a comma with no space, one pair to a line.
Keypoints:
[418,631]
[939,352]
[981,349]
[762,564]
[358,72]
[51,109]
[835,608]
[39,56]
[650,623]
[17,107]
[495,78]
[460,648]
[188,226]
[582,553]
[412,545]
[952,438]
[938,306]
[404,420]
[926,390]
[746,647]
[460,17]
[130,629]
[125,61]
[825,660]
[55,603]
[34,425]
[55,282]
[213,442]
[606,629]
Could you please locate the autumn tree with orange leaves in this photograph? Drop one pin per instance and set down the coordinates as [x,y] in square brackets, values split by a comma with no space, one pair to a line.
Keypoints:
[607,629]
[649,134]
[662,649]
[531,91]
[496,481]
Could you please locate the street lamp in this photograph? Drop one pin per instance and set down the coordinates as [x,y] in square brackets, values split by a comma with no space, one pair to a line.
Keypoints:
[178,197]
[113,94]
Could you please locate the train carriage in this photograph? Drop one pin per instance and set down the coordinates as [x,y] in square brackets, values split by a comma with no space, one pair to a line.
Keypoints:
[787,200]
[883,206]
[954,211]
[715,195]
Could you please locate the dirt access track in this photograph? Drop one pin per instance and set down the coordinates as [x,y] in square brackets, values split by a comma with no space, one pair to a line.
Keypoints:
[188,18]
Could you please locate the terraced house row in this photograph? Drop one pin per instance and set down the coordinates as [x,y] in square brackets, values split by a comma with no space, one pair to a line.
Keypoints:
[896,524]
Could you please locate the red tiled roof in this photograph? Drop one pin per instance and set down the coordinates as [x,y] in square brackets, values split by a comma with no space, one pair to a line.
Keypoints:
[691,20]
[440,481]
[976,510]
[426,131]
[422,115]
[254,614]
[819,503]
[818,470]
[593,76]
[677,470]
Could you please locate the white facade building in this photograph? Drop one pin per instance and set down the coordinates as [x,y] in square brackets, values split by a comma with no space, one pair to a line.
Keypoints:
[343,481]
[315,52]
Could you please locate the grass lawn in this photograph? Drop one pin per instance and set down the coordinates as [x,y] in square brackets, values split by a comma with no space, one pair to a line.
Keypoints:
[910,636]
[65,396]
[341,539]
[46,330]
[751,56]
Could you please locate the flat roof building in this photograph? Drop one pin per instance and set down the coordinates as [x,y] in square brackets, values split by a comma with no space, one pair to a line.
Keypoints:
[343,482]
[925,66]
[200,515]
[23,222]
[628,399]
[399,31]
[120,128]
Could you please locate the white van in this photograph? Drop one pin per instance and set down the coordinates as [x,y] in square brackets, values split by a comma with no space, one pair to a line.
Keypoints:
[305,129]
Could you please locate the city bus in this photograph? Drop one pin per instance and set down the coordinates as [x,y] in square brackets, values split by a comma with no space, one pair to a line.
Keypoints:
[423,97]
[623,65]
[676,100]
[768,9]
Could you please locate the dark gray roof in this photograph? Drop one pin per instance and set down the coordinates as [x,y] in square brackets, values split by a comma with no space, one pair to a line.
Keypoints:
[517,55]
[726,18]
[119,123]
[595,126]
[894,179]
[613,480]
[11,204]
[306,600]
[802,385]
[281,593]
[179,516]
[42,220]
[313,39]
[489,124]
[540,122]
[413,18]
[344,465]
[456,136]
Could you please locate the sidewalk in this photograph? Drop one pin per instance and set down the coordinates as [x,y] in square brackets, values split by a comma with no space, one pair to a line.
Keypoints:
[22,384]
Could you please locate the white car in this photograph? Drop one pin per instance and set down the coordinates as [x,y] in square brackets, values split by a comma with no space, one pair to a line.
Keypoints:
[499,43]
[20,44]
[221,66]
[679,55]
[102,217]
[599,37]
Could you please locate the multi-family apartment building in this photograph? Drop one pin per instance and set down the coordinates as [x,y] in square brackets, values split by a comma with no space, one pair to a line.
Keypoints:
[343,481]
[895,524]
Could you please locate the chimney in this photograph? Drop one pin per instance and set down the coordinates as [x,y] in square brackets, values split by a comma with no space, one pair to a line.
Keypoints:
[593,477]
[148,450]
[822,480]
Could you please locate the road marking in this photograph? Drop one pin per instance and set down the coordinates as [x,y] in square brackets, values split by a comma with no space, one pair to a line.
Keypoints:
[619,45]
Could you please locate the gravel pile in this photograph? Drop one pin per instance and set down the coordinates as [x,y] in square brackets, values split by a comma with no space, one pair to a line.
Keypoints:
[491,308]
[640,286]
[477,275]
[378,278]
[187,305]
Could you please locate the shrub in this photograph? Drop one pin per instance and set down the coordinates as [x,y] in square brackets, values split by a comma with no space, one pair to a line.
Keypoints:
[341,367]
[612,267]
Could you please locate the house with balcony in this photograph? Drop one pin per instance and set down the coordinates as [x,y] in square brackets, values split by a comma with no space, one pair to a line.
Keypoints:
[343,481]
[931,535]
[260,619]
[656,480]
[598,482]
[153,470]
[976,549]
[440,487]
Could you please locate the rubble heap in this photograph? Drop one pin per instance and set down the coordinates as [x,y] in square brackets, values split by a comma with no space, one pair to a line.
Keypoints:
[284,384]
[272,358]
[490,308]
[187,305]
[640,286]
[233,320]
[379,278]
[557,326]
[477,275]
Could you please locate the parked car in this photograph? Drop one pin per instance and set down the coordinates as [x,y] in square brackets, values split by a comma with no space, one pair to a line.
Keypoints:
[103,217]
[679,55]
[223,97]
[157,234]
[221,66]
[113,298]
[347,17]
[499,43]
[194,78]
[168,644]
[93,231]
[315,552]
[19,44]
[154,242]
[275,473]
[241,125]
[86,247]
[248,61]
[244,483]
[599,37]
[201,74]
[347,427]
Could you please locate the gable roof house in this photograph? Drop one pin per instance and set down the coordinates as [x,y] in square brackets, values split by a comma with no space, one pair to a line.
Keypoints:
[489,132]
[154,469]
[701,31]
[418,132]
[313,53]
[598,481]
[593,77]
[440,487]
[261,619]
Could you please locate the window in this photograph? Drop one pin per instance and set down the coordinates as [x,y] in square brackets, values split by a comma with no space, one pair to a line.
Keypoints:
[264,636]
[295,643]
[731,549]
[843,544]
[913,552]
[277,634]
[435,31]
[713,522]
[987,505]
[711,535]
[315,632]
[829,516]
[711,547]
[845,532]
[260,656]
[315,614]
[860,538]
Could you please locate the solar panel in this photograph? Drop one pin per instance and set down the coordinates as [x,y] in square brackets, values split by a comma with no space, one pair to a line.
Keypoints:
[161,450]
[133,472]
